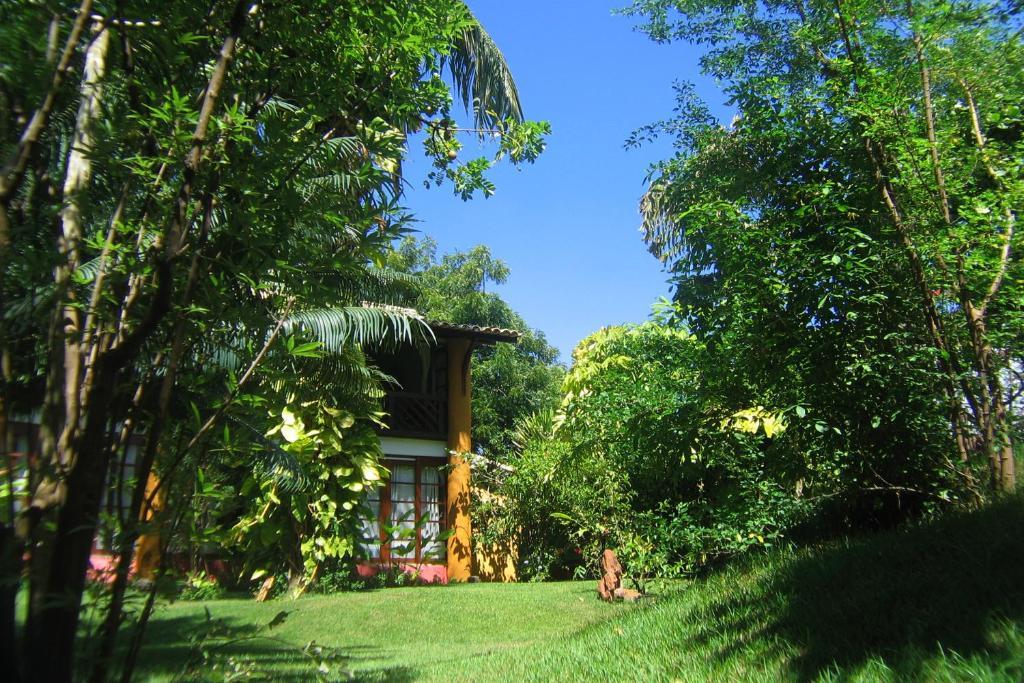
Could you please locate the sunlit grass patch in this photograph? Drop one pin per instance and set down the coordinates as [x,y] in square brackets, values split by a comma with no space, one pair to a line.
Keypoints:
[939,602]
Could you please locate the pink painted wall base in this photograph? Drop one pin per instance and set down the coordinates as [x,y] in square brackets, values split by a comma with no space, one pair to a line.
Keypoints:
[425,573]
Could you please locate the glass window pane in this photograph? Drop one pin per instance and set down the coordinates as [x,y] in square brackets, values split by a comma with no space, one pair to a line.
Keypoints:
[431,475]
[403,538]
[402,510]
[403,473]
[431,548]
[131,453]
[370,523]
[428,493]
[403,492]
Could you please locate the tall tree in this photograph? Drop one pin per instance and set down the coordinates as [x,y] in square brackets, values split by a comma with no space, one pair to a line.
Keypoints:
[865,195]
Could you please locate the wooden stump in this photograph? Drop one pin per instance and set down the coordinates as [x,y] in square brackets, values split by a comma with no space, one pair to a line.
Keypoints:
[264,592]
[611,576]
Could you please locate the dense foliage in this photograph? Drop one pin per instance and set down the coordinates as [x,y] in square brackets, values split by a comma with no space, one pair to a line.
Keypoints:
[645,458]
[858,217]
[195,199]
[845,332]
[198,198]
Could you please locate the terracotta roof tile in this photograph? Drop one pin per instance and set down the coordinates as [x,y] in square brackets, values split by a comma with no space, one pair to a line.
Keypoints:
[486,333]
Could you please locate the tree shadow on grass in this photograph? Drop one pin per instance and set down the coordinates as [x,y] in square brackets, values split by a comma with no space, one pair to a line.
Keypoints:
[898,598]
[174,650]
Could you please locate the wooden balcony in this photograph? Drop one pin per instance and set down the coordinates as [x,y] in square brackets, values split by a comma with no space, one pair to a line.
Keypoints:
[419,416]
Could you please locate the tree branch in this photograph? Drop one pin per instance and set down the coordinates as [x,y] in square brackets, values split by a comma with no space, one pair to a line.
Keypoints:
[14,169]
[1005,250]
[226,403]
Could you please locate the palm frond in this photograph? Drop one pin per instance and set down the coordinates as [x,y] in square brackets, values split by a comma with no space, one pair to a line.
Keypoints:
[24,308]
[482,78]
[539,427]
[373,326]
[276,107]
[220,356]
[348,374]
[370,283]
[335,149]
[277,464]
[88,270]
[274,463]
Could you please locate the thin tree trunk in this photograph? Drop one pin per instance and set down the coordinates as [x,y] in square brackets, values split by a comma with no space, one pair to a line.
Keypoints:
[1004,444]
[53,636]
[76,185]
[10,572]
[135,645]
[944,210]
[993,426]
[998,439]
[61,409]
[50,643]
[14,170]
[929,119]
[131,657]
[138,508]
[933,321]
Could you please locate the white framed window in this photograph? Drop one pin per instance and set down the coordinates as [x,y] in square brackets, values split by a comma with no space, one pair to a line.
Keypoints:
[404,519]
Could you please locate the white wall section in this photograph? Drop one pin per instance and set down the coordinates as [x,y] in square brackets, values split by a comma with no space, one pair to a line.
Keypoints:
[420,448]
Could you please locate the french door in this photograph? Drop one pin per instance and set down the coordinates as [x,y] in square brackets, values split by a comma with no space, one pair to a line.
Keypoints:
[406,515]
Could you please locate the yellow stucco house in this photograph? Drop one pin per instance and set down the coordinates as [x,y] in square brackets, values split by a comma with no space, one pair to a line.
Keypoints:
[429,491]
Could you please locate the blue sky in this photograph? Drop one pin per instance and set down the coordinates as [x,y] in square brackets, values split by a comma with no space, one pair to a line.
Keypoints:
[567,226]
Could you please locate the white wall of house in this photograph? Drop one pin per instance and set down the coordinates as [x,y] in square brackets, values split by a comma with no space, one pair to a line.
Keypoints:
[413,448]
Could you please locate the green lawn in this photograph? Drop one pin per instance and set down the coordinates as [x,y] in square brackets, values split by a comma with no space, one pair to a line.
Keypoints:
[939,602]
[391,634]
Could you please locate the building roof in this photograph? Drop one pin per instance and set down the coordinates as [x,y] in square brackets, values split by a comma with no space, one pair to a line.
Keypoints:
[486,335]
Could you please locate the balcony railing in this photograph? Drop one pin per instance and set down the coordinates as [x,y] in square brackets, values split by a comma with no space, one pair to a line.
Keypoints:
[416,415]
